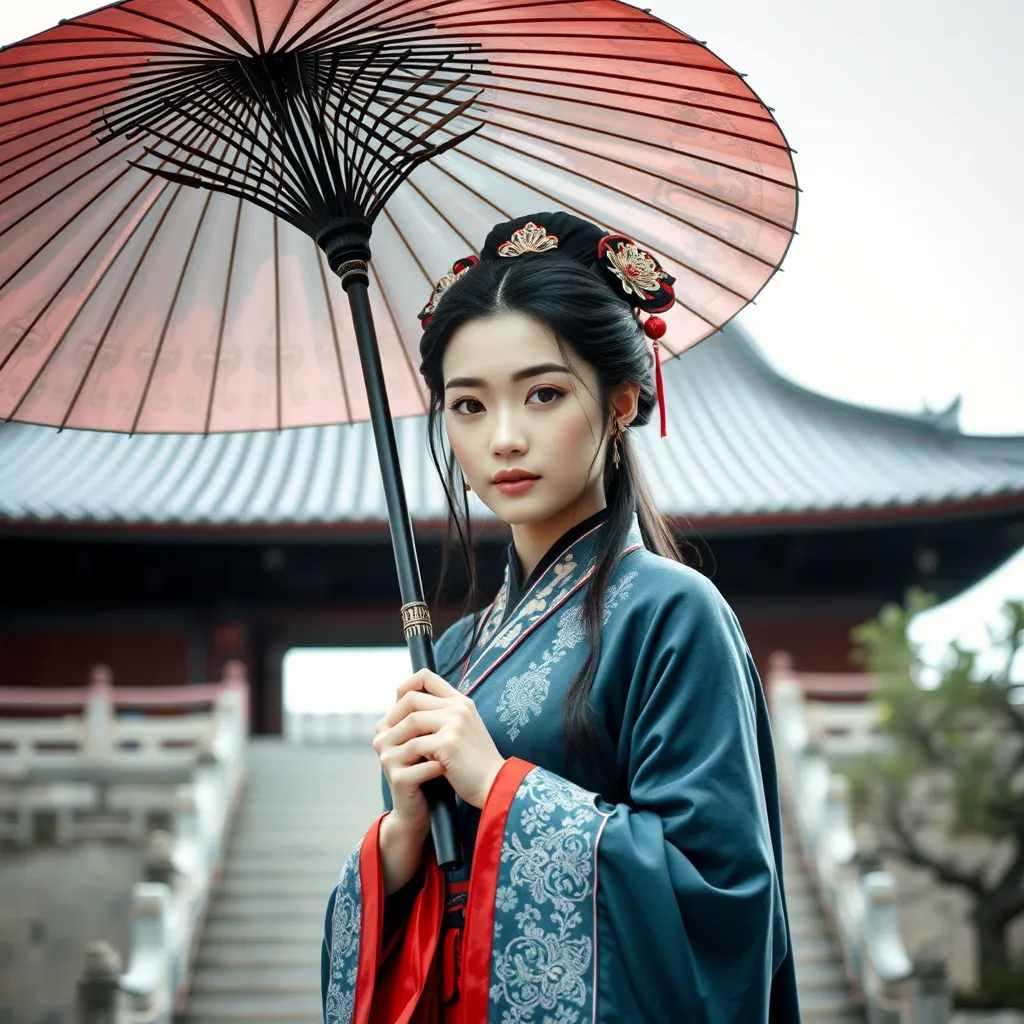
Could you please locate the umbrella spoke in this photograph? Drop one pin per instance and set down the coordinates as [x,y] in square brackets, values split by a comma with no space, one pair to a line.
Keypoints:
[186,263]
[226,25]
[177,27]
[135,37]
[165,329]
[81,262]
[334,335]
[123,296]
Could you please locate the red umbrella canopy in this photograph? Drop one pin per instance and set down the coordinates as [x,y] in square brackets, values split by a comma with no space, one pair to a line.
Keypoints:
[132,301]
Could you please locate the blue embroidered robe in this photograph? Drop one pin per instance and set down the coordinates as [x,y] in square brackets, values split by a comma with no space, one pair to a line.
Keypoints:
[647,893]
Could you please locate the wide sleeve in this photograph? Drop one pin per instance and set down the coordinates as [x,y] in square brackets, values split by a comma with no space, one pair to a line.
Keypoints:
[669,906]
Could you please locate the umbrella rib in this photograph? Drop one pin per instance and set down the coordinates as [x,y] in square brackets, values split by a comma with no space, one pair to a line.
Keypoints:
[124,292]
[661,118]
[629,96]
[223,318]
[173,305]
[310,22]
[226,25]
[147,16]
[420,158]
[649,143]
[68,143]
[409,248]
[259,29]
[284,24]
[286,127]
[382,118]
[334,331]
[639,80]
[296,191]
[572,209]
[686,187]
[277,321]
[123,33]
[413,160]
[398,337]
[656,209]
[74,270]
[430,202]
[137,72]
[170,313]
[166,59]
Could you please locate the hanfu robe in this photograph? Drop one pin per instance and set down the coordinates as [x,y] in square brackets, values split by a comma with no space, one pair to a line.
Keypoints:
[644,888]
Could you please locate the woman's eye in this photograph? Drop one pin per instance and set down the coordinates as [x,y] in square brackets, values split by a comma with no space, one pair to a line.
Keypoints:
[455,405]
[554,392]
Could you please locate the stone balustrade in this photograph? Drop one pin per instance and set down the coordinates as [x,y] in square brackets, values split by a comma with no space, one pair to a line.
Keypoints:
[858,898]
[101,772]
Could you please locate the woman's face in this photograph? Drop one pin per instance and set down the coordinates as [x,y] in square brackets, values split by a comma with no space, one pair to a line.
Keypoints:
[547,423]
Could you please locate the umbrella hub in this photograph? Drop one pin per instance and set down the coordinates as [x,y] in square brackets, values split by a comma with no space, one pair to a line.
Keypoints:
[319,136]
[346,244]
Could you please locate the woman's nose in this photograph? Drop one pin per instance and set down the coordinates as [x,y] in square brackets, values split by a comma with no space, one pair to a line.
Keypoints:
[508,433]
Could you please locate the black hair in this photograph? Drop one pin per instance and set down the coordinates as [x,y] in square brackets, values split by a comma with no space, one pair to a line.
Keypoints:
[598,326]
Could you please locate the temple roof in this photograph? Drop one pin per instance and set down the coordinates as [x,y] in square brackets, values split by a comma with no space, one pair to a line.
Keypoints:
[745,447]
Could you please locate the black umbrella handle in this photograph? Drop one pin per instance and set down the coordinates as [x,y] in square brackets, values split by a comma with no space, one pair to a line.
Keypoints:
[415,616]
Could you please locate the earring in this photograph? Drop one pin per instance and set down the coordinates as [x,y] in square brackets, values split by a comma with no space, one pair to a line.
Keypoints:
[616,434]
[468,488]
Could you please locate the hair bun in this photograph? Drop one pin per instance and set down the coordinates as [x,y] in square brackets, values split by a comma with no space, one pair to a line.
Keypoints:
[633,273]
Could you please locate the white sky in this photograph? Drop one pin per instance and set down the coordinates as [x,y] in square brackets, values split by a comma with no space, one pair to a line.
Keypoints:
[903,286]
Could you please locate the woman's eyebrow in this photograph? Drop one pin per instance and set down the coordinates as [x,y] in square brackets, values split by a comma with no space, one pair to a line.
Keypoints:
[530,371]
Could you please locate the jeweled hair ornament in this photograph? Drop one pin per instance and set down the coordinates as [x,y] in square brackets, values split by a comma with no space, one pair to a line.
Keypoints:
[633,273]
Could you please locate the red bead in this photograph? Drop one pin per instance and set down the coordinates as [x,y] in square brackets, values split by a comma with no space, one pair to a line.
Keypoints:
[655,327]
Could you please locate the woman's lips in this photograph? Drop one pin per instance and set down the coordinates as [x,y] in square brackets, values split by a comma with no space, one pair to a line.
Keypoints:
[512,487]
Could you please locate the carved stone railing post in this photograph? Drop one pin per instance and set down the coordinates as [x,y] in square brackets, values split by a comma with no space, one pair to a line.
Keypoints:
[100,1000]
[159,862]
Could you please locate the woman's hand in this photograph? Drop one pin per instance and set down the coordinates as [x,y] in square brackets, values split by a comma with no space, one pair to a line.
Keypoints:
[432,720]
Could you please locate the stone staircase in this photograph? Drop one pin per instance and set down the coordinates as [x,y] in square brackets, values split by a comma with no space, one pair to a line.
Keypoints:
[825,996]
[303,812]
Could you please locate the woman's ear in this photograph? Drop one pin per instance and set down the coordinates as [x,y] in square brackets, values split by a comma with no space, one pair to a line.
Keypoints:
[624,400]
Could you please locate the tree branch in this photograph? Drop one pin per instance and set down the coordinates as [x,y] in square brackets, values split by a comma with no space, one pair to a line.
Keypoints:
[909,850]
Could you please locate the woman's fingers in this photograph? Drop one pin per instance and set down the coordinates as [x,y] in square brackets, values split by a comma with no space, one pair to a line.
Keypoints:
[415,700]
[413,775]
[428,682]
[417,723]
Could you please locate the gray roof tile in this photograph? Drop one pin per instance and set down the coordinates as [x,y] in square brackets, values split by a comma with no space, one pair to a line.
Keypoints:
[742,442]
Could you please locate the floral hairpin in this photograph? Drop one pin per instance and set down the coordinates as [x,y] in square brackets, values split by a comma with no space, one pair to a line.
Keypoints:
[529,238]
[639,273]
[459,268]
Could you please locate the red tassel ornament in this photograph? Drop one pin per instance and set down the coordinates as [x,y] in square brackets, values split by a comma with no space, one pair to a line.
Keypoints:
[654,328]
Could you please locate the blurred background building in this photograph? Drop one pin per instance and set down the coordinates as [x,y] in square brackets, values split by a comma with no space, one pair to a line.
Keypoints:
[165,556]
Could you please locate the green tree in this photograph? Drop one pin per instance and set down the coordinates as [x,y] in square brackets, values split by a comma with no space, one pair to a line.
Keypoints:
[957,730]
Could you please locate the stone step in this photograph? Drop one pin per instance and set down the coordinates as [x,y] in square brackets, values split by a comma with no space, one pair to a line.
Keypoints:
[808,928]
[824,975]
[256,980]
[236,885]
[814,951]
[286,1008]
[271,903]
[833,1008]
[260,861]
[218,954]
[264,929]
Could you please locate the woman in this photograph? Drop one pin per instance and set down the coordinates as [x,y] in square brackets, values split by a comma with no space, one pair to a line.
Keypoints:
[601,722]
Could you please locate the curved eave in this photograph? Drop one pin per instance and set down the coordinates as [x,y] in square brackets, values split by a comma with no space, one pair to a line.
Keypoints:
[746,449]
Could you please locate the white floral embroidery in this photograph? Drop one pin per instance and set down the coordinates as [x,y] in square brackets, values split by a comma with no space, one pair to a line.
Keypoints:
[540,975]
[524,694]
[340,1003]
